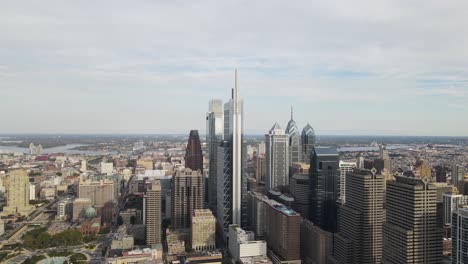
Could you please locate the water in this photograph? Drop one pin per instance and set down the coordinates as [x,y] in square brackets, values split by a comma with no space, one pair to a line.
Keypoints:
[67,149]
[389,147]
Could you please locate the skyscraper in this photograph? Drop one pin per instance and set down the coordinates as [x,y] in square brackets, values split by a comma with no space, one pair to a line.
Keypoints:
[458,175]
[203,230]
[276,159]
[17,193]
[324,188]
[294,141]
[214,135]
[232,198]
[411,233]
[193,153]
[460,236]
[152,213]
[361,217]
[307,142]
[345,168]
[187,195]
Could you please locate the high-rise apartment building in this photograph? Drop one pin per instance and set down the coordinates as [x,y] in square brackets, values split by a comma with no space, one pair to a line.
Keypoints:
[460,236]
[411,233]
[282,233]
[203,230]
[17,193]
[345,168]
[294,141]
[231,162]
[187,195]
[214,135]
[152,213]
[193,153]
[359,239]
[307,142]
[277,158]
[324,188]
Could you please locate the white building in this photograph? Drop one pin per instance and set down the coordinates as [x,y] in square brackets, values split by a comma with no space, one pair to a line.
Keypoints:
[345,168]
[32,191]
[242,244]
[84,165]
[451,203]
[107,167]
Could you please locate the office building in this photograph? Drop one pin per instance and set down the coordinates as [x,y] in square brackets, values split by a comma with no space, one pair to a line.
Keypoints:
[411,233]
[345,168]
[324,188]
[460,236]
[106,167]
[17,193]
[458,175]
[203,230]
[276,158]
[282,232]
[99,192]
[84,166]
[152,213]
[299,168]
[32,191]
[79,207]
[359,240]
[231,162]
[316,244]
[307,142]
[256,212]
[187,195]
[193,153]
[243,245]
[299,186]
[294,141]
[214,135]
[261,169]
[451,203]
[146,163]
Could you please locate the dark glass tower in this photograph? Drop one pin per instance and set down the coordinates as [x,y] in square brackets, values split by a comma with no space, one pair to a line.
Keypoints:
[193,153]
[307,142]
[324,188]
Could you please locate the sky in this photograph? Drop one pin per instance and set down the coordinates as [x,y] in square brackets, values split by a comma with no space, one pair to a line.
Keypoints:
[347,67]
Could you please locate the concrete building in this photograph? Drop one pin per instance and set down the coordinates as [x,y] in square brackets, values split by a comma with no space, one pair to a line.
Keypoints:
[458,175]
[106,167]
[276,158]
[121,240]
[256,211]
[411,233]
[282,232]
[152,213]
[64,209]
[294,141]
[261,168]
[145,255]
[79,206]
[451,203]
[203,230]
[345,168]
[17,193]
[299,186]
[242,244]
[459,236]
[324,188]
[146,163]
[2,227]
[187,195]
[359,240]
[84,165]
[99,192]
[214,135]
[299,168]
[316,244]
[32,191]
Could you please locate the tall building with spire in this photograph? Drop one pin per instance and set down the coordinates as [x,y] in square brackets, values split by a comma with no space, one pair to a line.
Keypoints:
[231,162]
[193,153]
[307,142]
[276,159]
[214,135]
[294,141]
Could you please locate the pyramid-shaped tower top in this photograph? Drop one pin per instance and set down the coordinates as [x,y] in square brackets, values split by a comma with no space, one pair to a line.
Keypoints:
[291,128]
[276,126]
[308,130]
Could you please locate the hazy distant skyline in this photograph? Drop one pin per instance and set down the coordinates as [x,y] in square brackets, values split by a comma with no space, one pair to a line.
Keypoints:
[347,67]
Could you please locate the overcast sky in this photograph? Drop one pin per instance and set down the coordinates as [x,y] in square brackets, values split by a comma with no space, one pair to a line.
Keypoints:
[347,67]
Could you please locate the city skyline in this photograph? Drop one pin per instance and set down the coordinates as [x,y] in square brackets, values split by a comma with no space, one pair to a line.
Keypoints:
[373,68]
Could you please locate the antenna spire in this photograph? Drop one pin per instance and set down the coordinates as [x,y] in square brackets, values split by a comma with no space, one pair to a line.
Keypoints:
[292,112]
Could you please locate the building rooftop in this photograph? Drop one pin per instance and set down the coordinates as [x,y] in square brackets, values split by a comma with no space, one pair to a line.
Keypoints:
[326,151]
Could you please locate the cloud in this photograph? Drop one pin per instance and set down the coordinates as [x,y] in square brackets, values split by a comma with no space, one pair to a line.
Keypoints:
[346,57]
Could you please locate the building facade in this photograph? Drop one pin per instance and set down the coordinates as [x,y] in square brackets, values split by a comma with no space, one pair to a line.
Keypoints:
[152,213]
[460,236]
[214,135]
[193,153]
[187,195]
[324,188]
[316,244]
[307,142]
[17,193]
[345,168]
[359,240]
[276,158]
[203,230]
[294,141]
[411,233]
[299,186]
